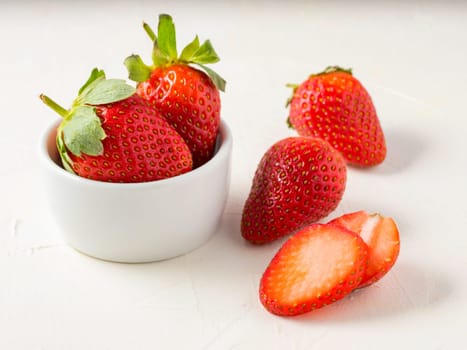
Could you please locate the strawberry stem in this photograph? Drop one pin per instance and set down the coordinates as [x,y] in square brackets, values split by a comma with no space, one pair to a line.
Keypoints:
[54,105]
[292,86]
[149,31]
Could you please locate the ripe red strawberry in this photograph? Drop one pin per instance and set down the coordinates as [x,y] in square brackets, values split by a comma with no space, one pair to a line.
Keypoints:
[335,106]
[298,181]
[382,237]
[111,134]
[317,266]
[187,97]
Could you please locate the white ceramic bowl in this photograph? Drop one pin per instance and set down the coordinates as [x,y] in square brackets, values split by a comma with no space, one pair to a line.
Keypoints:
[138,222]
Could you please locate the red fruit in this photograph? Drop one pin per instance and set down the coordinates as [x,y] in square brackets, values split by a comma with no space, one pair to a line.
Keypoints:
[187,97]
[298,181]
[335,106]
[190,102]
[314,268]
[140,146]
[110,136]
[382,237]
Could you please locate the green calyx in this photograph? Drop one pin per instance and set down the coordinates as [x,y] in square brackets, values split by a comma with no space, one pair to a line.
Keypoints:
[294,88]
[81,129]
[333,69]
[165,53]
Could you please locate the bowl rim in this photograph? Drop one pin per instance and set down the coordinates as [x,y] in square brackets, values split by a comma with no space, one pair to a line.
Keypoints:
[223,151]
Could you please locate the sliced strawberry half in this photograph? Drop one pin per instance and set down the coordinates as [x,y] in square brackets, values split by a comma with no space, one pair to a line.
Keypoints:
[381,235]
[317,266]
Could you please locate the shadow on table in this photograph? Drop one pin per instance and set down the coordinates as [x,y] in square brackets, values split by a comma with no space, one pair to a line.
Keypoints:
[404,148]
[402,291]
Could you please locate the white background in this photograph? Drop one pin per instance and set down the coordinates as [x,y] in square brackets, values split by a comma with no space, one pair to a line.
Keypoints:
[411,56]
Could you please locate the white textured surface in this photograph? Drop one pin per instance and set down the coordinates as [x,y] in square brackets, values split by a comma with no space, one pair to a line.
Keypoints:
[411,56]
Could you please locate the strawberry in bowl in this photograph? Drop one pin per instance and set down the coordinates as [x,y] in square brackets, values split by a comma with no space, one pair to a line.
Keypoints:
[111,134]
[181,87]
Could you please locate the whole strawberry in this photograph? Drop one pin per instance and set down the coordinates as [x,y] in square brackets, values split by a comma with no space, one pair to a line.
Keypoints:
[298,181]
[187,97]
[335,106]
[111,134]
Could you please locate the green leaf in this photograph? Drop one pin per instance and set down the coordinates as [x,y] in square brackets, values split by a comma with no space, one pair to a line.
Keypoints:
[166,36]
[83,132]
[332,69]
[137,70]
[205,54]
[159,58]
[66,160]
[107,91]
[96,75]
[294,88]
[218,81]
[189,50]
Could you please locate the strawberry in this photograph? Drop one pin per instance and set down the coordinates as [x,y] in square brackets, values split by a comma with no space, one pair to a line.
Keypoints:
[335,106]
[187,97]
[317,266]
[111,134]
[382,237]
[299,180]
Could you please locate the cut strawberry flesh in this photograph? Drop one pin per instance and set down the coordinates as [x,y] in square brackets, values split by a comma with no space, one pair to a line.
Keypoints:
[317,266]
[382,237]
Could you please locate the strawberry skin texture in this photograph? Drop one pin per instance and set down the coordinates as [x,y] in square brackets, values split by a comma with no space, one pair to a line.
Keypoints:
[336,107]
[381,235]
[139,146]
[190,102]
[317,266]
[299,180]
